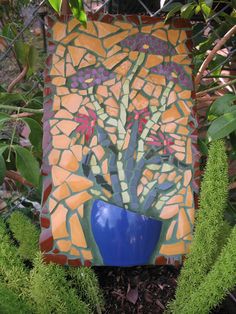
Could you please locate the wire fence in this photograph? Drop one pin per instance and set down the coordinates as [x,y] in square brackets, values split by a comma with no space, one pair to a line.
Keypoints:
[143,7]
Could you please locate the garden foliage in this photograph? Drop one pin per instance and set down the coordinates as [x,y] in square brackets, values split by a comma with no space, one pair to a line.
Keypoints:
[31,286]
[209,270]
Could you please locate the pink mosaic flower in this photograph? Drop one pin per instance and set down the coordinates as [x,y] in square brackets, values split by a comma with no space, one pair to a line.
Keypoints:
[86,123]
[141,116]
[162,140]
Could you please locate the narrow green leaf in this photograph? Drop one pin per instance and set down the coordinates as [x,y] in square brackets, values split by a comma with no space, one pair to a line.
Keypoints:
[203,147]
[32,57]
[206,10]
[222,105]
[222,126]
[4,116]
[56,4]
[36,132]
[197,9]
[2,169]
[188,10]
[22,51]
[27,165]
[173,11]
[77,9]
[170,6]
[209,3]
[3,147]
[9,31]
[10,99]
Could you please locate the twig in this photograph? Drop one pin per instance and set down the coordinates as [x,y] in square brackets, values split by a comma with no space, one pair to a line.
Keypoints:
[18,78]
[22,115]
[211,55]
[14,108]
[215,88]
[16,177]
[202,98]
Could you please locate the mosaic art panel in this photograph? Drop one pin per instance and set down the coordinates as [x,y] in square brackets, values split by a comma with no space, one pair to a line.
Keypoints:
[119,142]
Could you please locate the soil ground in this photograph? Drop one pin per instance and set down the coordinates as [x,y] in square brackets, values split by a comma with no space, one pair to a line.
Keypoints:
[143,290]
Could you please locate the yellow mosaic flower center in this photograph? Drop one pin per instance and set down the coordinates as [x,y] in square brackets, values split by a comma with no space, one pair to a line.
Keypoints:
[89,80]
[145,46]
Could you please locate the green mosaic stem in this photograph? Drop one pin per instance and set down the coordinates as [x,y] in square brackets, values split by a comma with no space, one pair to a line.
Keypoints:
[99,110]
[96,190]
[155,118]
[124,103]
[141,163]
[112,166]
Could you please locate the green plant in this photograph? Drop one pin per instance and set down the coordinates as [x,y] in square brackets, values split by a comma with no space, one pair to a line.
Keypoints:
[40,288]
[10,303]
[12,269]
[76,7]
[51,292]
[26,234]
[208,272]
[218,282]
[86,280]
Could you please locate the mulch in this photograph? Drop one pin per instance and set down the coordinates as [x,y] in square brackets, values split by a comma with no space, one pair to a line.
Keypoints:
[137,290]
[143,290]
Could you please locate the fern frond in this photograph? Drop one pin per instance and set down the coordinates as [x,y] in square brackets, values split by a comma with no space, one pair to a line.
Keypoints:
[86,282]
[11,303]
[219,281]
[26,233]
[208,226]
[51,292]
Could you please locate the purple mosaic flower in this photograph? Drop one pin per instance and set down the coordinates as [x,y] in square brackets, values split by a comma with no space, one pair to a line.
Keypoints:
[146,43]
[89,77]
[174,72]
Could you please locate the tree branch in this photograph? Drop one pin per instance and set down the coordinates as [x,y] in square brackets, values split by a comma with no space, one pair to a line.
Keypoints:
[18,78]
[211,55]
[18,178]
[199,94]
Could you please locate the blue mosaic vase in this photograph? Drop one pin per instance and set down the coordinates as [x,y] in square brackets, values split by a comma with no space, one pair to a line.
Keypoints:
[124,238]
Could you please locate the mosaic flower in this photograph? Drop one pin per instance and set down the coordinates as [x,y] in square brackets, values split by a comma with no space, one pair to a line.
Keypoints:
[86,124]
[162,140]
[174,72]
[146,43]
[141,116]
[89,77]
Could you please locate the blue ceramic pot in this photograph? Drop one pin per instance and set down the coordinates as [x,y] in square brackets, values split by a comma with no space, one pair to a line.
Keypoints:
[124,238]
